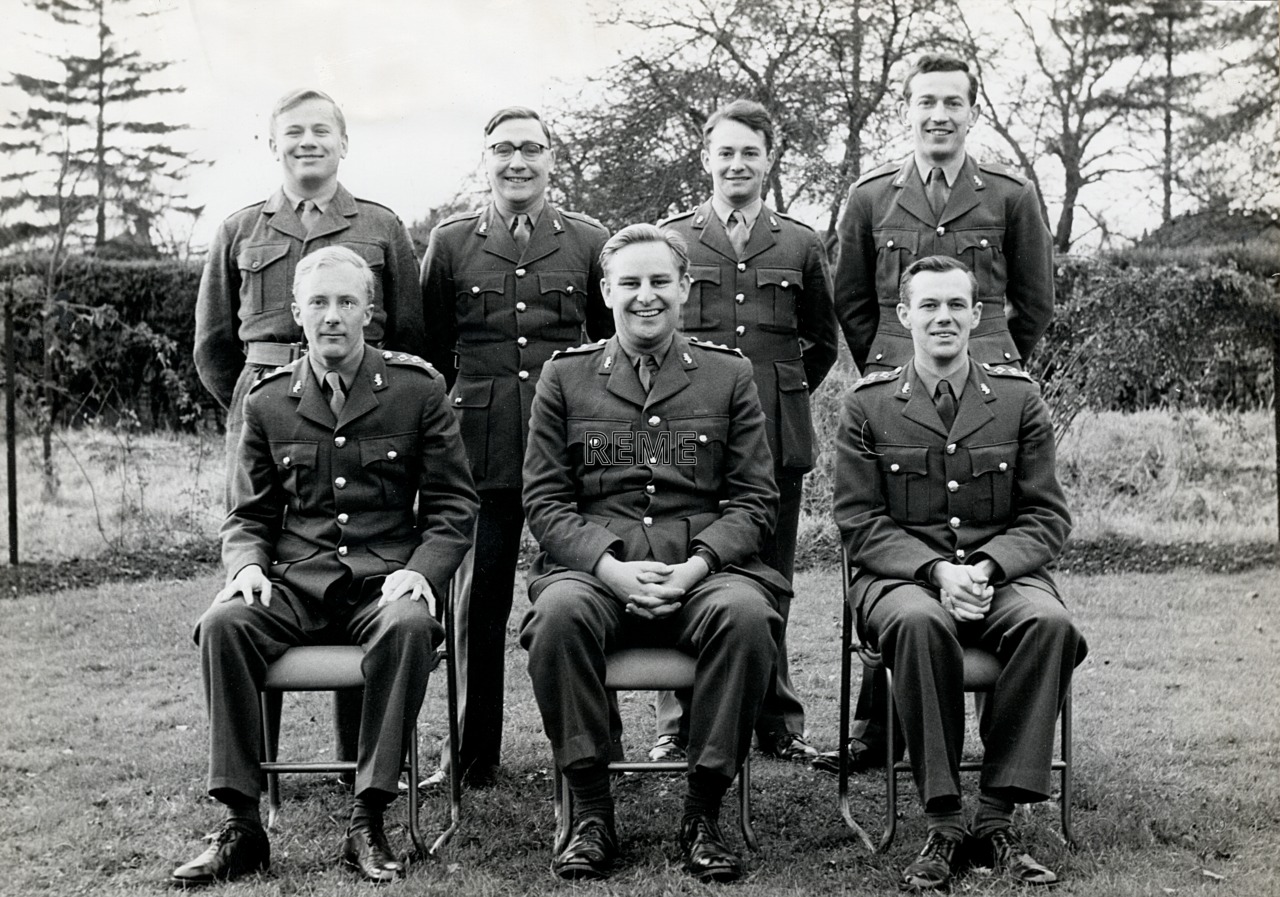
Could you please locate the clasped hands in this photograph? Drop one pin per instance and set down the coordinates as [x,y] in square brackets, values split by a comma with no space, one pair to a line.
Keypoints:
[251,581]
[650,590]
[964,589]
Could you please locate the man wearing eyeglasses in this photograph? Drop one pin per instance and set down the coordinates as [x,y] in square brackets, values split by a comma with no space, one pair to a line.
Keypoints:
[503,288]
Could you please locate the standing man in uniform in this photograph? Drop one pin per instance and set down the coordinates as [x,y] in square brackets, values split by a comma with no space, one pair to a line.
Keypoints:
[503,288]
[352,508]
[650,492]
[948,503]
[938,201]
[243,323]
[761,284]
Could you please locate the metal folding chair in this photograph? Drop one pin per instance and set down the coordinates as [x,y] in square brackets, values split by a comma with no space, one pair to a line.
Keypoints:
[650,669]
[336,668]
[981,669]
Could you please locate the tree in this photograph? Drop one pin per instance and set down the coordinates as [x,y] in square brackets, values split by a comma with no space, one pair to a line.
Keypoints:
[822,68]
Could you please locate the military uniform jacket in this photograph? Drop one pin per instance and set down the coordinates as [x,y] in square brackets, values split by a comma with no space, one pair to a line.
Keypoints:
[908,492]
[495,316]
[247,285]
[315,499]
[775,306]
[992,223]
[649,476]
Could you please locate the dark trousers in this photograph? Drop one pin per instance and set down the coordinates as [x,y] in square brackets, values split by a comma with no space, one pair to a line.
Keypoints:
[728,622]
[485,582]
[239,641]
[1033,636]
[782,710]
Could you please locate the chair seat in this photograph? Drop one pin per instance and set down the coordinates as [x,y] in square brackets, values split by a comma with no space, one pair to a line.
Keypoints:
[316,668]
[981,670]
[649,669]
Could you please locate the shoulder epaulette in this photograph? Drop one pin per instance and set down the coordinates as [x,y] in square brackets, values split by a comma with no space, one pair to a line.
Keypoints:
[578,350]
[404,359]
[794,220]
[879,172]
[679,216]
[1000,170]
[579,216]
[878,377]
[370,202]
[253,205]
[1003,370]
[461,216]
[715,347]
[272,374]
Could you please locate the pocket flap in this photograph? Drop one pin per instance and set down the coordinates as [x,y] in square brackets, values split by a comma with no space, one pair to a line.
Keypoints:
[392,449]
[259,255]
[704,273]
[993,458]
[791,377]
[900,460]
[473,392]
[787,278]
[289,455]
[370,252]
[705,429]
[482,282]
[897,239]
[569,282]
[977,239]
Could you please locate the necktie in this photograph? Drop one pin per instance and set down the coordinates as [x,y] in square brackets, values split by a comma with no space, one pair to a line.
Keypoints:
[945,401]
[736,229]
[648,370]
[337,395]
[936,191]
[308,214]
[520,231]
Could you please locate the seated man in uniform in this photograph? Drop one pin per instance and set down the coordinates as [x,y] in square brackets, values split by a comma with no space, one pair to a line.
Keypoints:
[352,507]
[949,505]
[648,484]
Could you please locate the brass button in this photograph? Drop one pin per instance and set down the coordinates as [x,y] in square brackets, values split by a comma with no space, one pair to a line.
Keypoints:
[475,289]
[742,266]
[740,298]
[340,482]
[893,468]
[739,330]
[941,230]
[520,272]
[879,355]
[523,375]
[954,522]
[702,437]
[648,521]
[1007,356]
[392,454]
[1004,465]
[257,263]
[653,460]
[522,341]
[457,400]
[984,244]
[569,288]
[286,461]
[344,517]
[952,486]
[888,244]
[650,489]
[951,449]
[785,284]
[654,421]
[959,554]
[342,550]
[520,306]
[339,441]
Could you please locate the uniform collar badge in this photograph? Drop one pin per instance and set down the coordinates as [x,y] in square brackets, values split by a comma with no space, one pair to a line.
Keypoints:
[484,227]
[297,386]
[906,387]
[377,379]
[686,358]
[608,361]
[986,390]
[555,222]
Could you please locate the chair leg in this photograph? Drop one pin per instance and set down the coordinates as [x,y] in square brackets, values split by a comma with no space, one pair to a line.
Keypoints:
[562,799]
[455,770]
[415,826]
[270,703]
[1067,769]
[890,767]
[744,805]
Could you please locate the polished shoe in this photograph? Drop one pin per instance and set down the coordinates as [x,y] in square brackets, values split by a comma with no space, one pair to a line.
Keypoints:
[933,867]
[366,850]
[668,749]
[238,848]
[788,746]
[706,855]
[1002,851]
[592,848]
[861,759]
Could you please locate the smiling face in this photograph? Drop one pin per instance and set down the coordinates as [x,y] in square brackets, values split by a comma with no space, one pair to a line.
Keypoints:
[644,287]
[309,142]
[331,305]
[939,114]
[738,161]
[518,183]
[940,312]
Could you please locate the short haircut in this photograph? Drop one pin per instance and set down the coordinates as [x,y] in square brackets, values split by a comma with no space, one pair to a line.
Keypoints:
[939,62]
[745,112]
[511,113]
[937,264]
[333,257]
[633,234]
[296,98]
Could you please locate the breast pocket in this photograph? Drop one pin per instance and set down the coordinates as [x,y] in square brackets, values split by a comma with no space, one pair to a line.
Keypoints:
[597,448]
[699,311]
[296,467]
[565,292]
[390,465]
[895,251]
[482,307]
[266,277]
[471,399]
[795,420]
[779,290]
[983,251]
[991,489]
[904,474]
[699,448]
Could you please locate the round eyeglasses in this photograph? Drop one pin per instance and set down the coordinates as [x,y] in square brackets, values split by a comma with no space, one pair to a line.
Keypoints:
[529,150]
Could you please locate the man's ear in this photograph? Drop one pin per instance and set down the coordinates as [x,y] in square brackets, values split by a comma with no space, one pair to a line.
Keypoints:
[904,315]
[977,315]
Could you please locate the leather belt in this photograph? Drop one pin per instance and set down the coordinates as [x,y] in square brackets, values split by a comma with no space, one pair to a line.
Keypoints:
[273,355]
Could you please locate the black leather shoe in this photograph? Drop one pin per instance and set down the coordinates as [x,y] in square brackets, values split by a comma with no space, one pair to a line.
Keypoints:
[861,759]
[592,848]
[366,850]
[788,746]
[706,855]
[1002,851]
[668,748]
[934,865]
[238,848]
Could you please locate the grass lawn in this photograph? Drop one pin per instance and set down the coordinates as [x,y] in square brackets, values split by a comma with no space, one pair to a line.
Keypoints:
[103,739]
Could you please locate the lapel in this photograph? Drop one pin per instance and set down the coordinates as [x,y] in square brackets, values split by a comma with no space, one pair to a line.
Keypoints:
[545,238]
[964,192]
[336,217]
[623,381]
[370,380]
[974,411]
[763,233]
[918,404]
[283,217]
[672,376]
[308,393]
[711,232]
[497,239]
[911,196]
